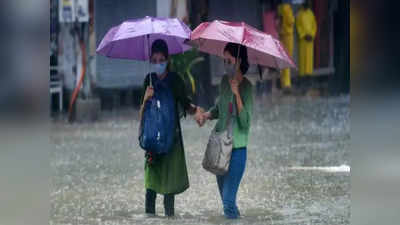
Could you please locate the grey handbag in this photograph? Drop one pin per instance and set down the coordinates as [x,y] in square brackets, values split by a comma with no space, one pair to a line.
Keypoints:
[219,150]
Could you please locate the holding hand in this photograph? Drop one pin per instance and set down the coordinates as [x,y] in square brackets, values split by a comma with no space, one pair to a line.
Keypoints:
[149,93]
[235,86]
[203,117]
[199,116]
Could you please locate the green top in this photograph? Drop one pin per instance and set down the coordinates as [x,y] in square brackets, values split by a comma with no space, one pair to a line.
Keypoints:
[168,174]
[241,122]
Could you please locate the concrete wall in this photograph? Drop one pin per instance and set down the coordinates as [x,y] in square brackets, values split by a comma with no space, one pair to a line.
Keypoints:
[236,10]
[117,73]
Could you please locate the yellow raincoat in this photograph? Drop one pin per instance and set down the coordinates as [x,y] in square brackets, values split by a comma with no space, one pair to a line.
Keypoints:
[306,25]
[285,12]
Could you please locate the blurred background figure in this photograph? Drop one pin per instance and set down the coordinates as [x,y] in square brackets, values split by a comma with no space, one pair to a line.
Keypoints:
[306,26]
[271,26]
[271,19]
[285,14]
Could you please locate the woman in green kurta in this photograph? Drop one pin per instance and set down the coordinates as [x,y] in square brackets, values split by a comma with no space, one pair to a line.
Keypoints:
[167,174]
[235,100]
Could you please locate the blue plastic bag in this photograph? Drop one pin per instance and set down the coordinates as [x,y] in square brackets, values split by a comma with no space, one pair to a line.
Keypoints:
[157,128]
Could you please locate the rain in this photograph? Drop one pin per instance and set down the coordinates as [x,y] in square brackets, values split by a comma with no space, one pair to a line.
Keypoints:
[297,170]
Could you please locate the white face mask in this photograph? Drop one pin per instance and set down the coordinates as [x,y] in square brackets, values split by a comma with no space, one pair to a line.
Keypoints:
[159,68]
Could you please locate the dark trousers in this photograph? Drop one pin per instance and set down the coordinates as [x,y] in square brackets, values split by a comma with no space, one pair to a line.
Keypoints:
[151,203]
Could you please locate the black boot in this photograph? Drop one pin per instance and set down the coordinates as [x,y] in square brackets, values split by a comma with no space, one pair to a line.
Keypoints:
[150,202]
[169,205]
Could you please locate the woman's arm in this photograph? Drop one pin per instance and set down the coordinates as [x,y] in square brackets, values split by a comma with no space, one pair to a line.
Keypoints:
[239,103]
[244,104]
[197,111]
[235,91]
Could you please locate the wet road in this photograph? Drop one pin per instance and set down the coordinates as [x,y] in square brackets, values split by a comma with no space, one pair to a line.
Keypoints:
[98,169]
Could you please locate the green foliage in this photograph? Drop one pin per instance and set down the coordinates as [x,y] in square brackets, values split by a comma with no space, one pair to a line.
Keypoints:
[182,64]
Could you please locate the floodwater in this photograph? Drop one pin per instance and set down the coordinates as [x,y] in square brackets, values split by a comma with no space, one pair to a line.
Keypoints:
[298,169]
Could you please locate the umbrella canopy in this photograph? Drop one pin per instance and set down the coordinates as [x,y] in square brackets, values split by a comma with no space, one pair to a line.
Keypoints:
[133,38]
[262,48]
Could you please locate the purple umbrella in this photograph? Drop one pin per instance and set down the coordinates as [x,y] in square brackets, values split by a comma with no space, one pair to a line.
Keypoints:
[133,38]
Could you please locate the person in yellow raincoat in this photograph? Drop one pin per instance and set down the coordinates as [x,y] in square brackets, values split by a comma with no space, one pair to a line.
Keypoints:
[285,13]
[306,29]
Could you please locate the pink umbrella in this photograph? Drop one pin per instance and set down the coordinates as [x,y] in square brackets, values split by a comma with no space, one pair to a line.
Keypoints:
[262,48]
[133,38]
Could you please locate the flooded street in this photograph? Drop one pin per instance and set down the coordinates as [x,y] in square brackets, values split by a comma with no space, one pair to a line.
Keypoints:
[297,172]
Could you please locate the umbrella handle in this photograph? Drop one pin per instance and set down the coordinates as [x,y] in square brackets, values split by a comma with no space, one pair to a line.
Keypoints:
[148,52]
[151,83]
[237,57]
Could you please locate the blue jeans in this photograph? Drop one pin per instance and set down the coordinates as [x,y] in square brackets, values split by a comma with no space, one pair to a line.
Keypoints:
[228,184]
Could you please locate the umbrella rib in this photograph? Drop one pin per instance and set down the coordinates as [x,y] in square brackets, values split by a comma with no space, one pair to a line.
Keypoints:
[111,48]
[112,44]
[276,63]
[117,43]
[248,39]
[244,30]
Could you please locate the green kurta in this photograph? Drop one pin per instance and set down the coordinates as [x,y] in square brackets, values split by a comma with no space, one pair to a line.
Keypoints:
[241,122]
[168,174]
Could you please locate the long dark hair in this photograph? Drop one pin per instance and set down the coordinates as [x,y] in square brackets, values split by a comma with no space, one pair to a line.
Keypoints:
[233,49]
[160,46]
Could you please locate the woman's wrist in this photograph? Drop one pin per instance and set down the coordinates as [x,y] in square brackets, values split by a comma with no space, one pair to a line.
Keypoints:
[192,110]
[207,115]
[198,109]
[147,98]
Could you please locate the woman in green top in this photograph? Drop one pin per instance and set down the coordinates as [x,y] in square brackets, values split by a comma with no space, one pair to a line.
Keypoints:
[167,174]
[235,98]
